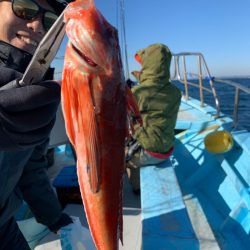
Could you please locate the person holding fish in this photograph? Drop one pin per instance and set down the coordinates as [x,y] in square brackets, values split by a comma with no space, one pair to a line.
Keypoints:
[27,115]
[158,100]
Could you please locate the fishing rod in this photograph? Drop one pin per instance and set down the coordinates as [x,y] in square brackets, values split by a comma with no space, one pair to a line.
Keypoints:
[121,7]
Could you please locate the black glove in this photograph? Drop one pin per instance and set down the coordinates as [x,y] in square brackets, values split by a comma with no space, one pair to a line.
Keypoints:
[133,147]
[27,114]
[63,221]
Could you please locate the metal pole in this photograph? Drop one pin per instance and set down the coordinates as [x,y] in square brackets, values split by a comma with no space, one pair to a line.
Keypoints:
[185,77]
[200,81]
[236,104]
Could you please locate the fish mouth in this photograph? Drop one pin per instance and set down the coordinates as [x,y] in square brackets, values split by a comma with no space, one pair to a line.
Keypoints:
[82,55]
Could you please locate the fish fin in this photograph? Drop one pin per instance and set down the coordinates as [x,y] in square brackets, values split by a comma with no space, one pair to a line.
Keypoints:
[80,119]
[92,137]
[67,106]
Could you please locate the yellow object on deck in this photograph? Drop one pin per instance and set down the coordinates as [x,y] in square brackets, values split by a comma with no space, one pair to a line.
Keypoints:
[218,142]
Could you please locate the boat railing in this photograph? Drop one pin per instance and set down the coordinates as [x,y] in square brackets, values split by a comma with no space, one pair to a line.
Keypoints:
[181,74]
[238,88]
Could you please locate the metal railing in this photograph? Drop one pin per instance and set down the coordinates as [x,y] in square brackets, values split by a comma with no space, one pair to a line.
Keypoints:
[238,88]
[181,74]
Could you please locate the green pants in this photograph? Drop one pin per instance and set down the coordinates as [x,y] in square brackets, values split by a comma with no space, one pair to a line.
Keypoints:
[140,159]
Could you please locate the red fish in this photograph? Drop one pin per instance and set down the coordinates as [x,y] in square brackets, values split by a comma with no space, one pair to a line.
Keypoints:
[94,106]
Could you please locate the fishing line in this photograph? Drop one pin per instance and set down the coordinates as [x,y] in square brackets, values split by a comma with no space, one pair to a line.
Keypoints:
[117,14]
[120,35]
[123,38]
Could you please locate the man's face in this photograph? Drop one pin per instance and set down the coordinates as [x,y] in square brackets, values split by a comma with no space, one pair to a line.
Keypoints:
[23,34]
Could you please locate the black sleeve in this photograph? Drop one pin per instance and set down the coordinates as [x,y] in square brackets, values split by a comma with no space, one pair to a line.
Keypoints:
[7,75]
[27,114]
[37,190]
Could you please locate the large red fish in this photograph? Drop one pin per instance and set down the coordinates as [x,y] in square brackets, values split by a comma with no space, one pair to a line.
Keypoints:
[94,106]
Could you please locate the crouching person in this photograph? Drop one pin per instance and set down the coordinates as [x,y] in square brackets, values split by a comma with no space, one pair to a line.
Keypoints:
[158,100]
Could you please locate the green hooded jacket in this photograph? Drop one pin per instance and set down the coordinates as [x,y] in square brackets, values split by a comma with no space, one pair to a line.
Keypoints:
[158,100]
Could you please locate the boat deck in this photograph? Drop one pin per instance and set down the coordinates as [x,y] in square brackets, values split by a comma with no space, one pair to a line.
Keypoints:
[131,219]
[194,117]
[213,193]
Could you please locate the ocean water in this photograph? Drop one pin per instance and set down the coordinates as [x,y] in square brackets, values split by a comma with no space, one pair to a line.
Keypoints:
[226,95]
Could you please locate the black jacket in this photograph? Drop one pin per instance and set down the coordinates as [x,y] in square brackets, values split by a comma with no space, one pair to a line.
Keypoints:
[27,116]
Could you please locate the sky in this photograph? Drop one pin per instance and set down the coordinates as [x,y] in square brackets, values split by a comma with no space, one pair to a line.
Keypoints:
[219,29]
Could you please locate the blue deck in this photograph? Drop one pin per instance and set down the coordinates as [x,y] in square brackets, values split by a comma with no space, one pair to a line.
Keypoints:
[192,116]
[219,184]
[165,222]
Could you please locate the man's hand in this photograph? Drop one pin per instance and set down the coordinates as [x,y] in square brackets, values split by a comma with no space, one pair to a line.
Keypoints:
[63,221]
[136,74]
[74,236]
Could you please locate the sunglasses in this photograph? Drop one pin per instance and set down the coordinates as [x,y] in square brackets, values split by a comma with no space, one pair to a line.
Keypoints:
[29,9]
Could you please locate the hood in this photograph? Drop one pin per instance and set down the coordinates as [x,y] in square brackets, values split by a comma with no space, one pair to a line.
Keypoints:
[155,62]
